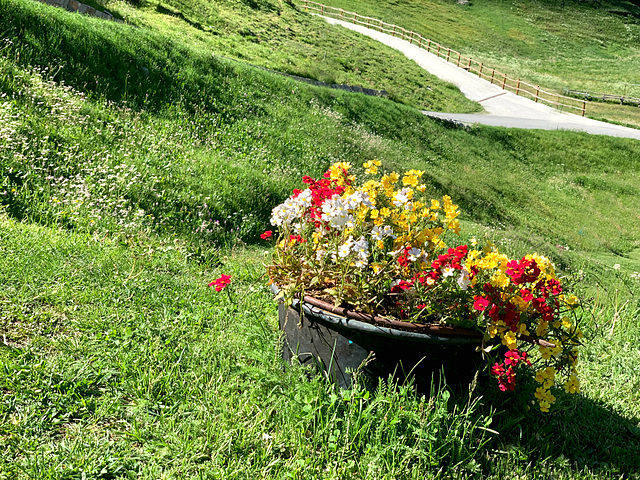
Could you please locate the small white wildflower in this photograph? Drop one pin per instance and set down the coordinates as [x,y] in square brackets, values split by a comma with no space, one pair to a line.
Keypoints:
[345,248]
[464,280]
[413,254]
[616,266]
[380,232]
[447,271]
[401,197]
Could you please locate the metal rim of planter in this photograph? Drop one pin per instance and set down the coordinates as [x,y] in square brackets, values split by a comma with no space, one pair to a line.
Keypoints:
[342,318]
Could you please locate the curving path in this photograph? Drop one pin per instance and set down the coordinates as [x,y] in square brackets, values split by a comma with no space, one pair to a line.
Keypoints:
[504,109]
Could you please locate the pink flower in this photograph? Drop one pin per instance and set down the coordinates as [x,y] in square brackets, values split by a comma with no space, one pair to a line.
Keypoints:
[266,234]
[221,283]
[480,303]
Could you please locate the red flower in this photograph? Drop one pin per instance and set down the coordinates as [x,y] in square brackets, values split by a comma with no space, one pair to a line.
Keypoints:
[296,238]
[480,303]
[401,286]
[221,283]
[266,234]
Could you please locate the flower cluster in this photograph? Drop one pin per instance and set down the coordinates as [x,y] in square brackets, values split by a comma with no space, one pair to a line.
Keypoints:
[381,247]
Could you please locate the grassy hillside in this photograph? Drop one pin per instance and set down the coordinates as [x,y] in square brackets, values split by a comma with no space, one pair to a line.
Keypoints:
[136,167]
[590,45]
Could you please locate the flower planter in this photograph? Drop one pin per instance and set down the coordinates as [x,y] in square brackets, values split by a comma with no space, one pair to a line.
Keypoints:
[338,342]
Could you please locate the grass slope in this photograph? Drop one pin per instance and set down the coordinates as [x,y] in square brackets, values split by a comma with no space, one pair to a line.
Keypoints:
[126,193]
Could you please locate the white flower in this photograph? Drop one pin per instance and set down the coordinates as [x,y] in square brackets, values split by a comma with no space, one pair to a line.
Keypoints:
[380,232]
[357,199]
[336,213]
[360,263]
[345,248]
[361,248]
[616,266]
[292,209]
[414,254]
[464,280]
[401,197]
[447,271]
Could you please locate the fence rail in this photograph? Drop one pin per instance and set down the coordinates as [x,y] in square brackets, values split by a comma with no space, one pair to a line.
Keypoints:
[605,97]
[496,77]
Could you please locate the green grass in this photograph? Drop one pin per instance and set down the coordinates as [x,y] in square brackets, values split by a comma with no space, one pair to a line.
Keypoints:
[124,195]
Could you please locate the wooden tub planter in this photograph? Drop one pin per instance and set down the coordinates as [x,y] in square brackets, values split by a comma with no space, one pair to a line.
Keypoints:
[339,342]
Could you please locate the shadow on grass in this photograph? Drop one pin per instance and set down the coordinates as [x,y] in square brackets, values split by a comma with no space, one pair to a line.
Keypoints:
[582,434]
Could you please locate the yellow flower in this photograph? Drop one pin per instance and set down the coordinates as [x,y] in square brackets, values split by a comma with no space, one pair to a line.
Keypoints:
[546,377]
[570,300]
[499,280]
[371,187]
[374,213]
[545,398]
[520,304]
[385,212]
[573,384]
[509,340]
[387,182]
[411,177]
[542,328]
[435,205]
[492,330]
[377,268]
[545,352]
[340,172]
[371,167]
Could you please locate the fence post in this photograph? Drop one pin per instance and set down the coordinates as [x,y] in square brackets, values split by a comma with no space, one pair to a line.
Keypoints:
[504,80]
[394,31]
[306,6]
[518,87]
[322,9]
[411,39]
[368,22]
[537,93]
[584,107]
[448,53]
[469,65]
[380,24]
[419,41]
[429,46]
[354,18]
[458,63]
[493,72]
[438,52]
[480,74]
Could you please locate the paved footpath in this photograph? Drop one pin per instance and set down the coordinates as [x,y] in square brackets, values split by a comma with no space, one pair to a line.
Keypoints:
[504,109]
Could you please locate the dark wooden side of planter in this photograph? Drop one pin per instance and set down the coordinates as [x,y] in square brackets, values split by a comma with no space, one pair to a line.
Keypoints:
[337,350]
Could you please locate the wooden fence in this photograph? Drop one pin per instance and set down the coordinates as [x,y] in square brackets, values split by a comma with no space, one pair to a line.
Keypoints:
[604,97]
[501,79]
